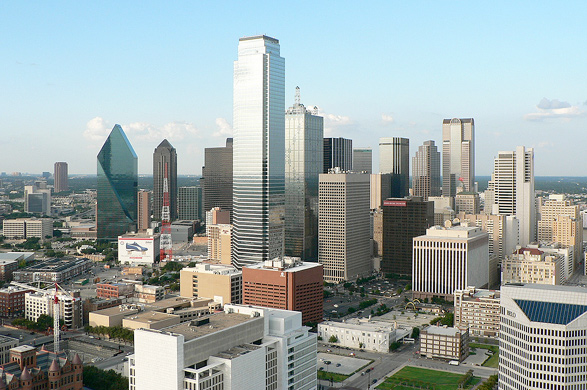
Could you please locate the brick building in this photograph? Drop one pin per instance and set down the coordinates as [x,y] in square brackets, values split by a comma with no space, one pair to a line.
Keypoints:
[114,290]
[12,301]
[288,284]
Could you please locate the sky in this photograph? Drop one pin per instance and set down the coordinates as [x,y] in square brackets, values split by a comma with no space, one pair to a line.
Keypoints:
[70,71]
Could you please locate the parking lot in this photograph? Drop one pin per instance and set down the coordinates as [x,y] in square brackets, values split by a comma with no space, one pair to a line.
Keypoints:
[340,364]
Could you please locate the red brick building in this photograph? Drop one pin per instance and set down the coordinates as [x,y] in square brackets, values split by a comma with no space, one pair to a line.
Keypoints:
[12,301]
[286,284]
[114,290]
[30,369]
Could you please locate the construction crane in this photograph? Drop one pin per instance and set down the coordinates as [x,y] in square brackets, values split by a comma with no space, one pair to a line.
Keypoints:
[166,244]
[55,308]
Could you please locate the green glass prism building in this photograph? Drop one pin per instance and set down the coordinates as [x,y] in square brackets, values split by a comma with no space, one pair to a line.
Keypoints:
[116,211]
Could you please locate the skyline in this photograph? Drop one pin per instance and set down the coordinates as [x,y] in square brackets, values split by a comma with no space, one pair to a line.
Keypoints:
[73,71]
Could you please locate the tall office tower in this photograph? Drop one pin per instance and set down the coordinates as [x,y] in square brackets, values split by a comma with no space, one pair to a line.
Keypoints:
[242,348]
[394,158]
[338,153]
[60,177]
[458,155]
[304,133]
[189,202]
[144,210]
[343,226]
[503,231]
[219,243]
[449,259]
[288,284]
[561,222]
[164,157]
[542,337]
[259,147]
[363,160]
[403,219]
[380,189]
[116,208]
[37,198]
[216,181]
[513,186]
[426,171]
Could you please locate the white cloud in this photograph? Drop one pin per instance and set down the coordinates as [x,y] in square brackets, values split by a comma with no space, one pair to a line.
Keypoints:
[97,129]
[333,122]
[387,118]
[224,128]
[554,109]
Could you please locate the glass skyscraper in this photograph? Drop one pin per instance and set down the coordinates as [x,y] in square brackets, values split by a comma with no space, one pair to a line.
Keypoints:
[117,186]
[304,133]
[458,155]
[258,151]
[394,158]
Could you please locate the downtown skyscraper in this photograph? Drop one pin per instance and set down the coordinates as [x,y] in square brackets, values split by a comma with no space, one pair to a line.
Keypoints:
[394,158]
[426,171]
[458,155]
[303,164]
[60,177]
[258,151]
[216,181]
[164,157]
[117,187]
[338,153]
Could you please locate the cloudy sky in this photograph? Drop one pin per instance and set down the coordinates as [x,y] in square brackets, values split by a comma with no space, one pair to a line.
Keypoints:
[70,71]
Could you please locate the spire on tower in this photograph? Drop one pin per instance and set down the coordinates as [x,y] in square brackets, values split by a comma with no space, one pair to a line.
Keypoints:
[297,100]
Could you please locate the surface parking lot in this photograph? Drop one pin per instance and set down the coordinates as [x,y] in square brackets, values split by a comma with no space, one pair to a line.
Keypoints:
[348,364]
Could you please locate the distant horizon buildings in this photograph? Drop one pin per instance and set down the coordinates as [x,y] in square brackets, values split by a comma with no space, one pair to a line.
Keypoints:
[458,155]
[60,177]
[426,171]
[216,180]
[259,149]
[116,208]
[164,158]
[394,158]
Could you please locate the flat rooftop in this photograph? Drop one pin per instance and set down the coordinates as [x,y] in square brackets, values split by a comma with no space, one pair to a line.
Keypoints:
[217,322]
[55,265]
[237,351]
[111,311]
[440,330]
[284,267]
[150,317]
[383,327]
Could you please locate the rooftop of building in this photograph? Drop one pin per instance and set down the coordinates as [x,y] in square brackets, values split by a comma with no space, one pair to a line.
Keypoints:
[56,265]
[149,317]
[208,324]
[6,339]
[217,269]
[237,351]
[287,264]
[178,302]
[383,327]
[14,256]
[139,235]
[122,309]
[547,288]
[453,232]
[13,289]
[531,251]
[472,293]
[442,331]
[264,37]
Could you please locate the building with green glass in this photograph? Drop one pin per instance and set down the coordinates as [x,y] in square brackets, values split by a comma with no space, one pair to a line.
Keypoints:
[116,211]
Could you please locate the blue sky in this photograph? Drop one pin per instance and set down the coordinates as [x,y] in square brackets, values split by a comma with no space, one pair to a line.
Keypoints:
[69,71]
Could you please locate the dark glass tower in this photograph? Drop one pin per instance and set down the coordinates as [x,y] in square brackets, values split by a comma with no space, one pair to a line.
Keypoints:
[164,154]
[117,186]
[216,181]
[338,153]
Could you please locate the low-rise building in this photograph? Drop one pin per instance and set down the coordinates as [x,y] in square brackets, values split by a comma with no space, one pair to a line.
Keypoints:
[6,344]
[9,263]
[114,290]
[41,302]
[212,281]
[150,320]
[95,304]
[359,334]
[477,310]
[12,301]
[22,228]
[444,343]
[112,316]
[531,265]
[147,293]
[53,271]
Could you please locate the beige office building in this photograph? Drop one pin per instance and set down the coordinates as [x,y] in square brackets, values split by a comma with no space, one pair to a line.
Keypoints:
[502,230]
[531,265]
[212,281]
[467,202]
[143,210]
[444,343]
[219,243]
[477,310]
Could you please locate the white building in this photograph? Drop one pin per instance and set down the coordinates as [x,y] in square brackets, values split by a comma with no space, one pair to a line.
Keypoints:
[357,333]
[543,338]
[344,231]
[244,347]
[138,248]
[449,259]
[532,265]
[28,228]
[6,344]
[70,308]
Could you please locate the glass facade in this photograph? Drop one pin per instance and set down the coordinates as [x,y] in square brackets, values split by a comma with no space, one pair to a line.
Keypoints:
[551,312]
[338,153]
[394,158]
[304,133]
[258,151]
[117,186]
[426,171]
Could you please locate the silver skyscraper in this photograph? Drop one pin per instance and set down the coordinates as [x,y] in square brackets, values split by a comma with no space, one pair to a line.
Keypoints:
[258,151]
[458,155]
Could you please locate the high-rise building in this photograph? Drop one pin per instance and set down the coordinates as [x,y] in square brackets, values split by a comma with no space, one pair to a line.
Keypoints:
[449,259]
[426,171]
[380,189]
[363,160]
[164,157]
[60,177]
[513,190]
[394,158]
[259,147]
[116,206]
[189,202]
[458,155]
[304,133]
[403,219]
[244,348]
[343,226]
[219,243]
[216,181]
[502,230]
[287,284]
[338,153]
[37,198]
[542,337]
[144,210]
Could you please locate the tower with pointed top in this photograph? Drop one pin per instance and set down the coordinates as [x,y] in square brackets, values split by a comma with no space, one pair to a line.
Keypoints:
[303,164]
[117,186]
[164,156]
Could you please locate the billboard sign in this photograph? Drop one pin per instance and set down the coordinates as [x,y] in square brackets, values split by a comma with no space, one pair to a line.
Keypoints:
[400,203]
[136,250]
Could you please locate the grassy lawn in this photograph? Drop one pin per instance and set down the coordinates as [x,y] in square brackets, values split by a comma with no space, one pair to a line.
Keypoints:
[491,361]
[331,376]
[439,379]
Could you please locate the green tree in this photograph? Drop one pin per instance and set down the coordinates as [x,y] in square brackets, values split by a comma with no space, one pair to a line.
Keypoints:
[98,379]
[415,333]
[333,339]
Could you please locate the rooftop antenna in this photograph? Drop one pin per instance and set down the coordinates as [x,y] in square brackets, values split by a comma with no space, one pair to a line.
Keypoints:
[297,96]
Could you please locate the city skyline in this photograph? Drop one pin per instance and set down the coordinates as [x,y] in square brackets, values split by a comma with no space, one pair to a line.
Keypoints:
[518,92]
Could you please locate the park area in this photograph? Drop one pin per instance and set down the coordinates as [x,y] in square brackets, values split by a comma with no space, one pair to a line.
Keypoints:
[490,351]
[410,378]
